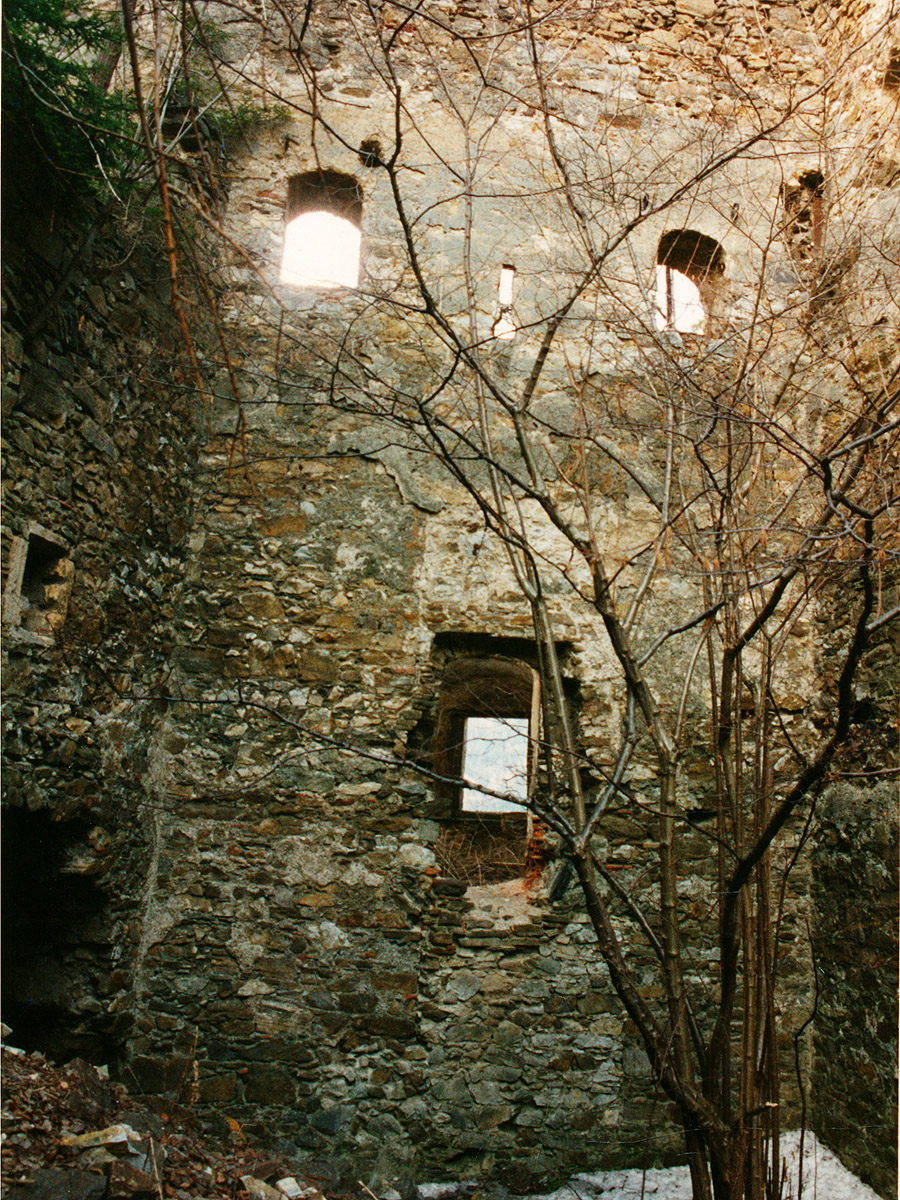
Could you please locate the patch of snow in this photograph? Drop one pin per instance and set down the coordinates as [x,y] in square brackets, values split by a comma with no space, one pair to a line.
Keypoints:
[444,1191]
[824,1177]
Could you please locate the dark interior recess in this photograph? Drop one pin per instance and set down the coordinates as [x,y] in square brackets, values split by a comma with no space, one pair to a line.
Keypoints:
[892,71]
[41,568]
[483,644]
[325,191]
[50,941]
[370,152]
[694,254]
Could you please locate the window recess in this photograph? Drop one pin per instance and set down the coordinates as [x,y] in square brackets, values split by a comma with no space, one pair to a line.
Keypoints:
[38,583]
[803,202]
[485,727]
[486,733]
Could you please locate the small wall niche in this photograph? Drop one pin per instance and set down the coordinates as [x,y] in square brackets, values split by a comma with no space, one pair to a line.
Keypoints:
[38,584]
[803,201]
[891,79]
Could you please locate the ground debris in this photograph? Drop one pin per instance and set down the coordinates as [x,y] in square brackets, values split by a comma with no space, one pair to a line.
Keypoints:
[69,1133]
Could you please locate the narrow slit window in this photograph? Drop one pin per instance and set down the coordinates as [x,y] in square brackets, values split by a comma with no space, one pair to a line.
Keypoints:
[505,286]
[505,326]
[322,235]
[495,755]
[689,268]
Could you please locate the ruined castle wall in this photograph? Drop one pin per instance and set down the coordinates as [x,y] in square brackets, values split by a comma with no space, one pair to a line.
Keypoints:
[309,949]
[309,962]
[854,886]
[853,1094]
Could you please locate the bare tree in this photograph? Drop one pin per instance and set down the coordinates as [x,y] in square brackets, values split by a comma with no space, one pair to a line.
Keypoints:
[677,424]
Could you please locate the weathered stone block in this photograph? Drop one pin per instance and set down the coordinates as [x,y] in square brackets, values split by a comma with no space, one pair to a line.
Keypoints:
[268,1085]
[126,1180]
[332,1120]
[219,1089]
[697,8]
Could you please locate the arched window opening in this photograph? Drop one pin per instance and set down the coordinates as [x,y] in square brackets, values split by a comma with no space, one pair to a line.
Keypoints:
[802,198]
[322,231]
[689,268]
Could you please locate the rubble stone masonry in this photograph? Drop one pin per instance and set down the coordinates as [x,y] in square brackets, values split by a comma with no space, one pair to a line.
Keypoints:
[220,871]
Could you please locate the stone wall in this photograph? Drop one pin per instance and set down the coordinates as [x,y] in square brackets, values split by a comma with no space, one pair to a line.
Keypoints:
[97,472]
[853,1097]
[855,895]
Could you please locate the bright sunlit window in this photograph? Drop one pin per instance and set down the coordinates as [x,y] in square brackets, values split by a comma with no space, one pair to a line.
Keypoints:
[505,286]
[323,219]
[678,303]
[321,250]
[496,756]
